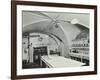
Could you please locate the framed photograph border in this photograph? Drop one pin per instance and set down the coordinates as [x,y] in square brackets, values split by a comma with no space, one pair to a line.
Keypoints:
[14,38]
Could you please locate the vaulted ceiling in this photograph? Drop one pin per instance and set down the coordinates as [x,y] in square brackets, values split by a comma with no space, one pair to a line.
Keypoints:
[58,24]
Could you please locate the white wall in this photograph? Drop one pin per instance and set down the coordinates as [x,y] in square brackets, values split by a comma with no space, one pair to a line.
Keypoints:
[46,41]
[25,48]
[5,30]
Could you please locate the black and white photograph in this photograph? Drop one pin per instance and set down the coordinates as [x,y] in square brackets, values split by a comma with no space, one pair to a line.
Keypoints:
[55,39]
[52,40]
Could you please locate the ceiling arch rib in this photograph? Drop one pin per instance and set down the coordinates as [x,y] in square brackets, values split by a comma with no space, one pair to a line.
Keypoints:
[42,14]
[37,21]
[35,34]
[56,38]
[36,26]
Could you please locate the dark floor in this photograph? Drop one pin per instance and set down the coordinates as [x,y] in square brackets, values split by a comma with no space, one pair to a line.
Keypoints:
[79,59]
[28,65]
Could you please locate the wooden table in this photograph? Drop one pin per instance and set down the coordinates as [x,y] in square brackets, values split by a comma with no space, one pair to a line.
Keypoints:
[54,61]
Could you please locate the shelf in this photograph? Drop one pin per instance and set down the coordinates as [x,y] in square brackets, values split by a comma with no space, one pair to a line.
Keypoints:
[80,55]
[80,47]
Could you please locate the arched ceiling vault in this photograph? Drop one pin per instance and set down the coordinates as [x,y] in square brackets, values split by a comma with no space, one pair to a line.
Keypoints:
[63,29]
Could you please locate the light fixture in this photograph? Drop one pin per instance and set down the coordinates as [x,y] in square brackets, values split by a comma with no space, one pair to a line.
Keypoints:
[56,26]
[40,38]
